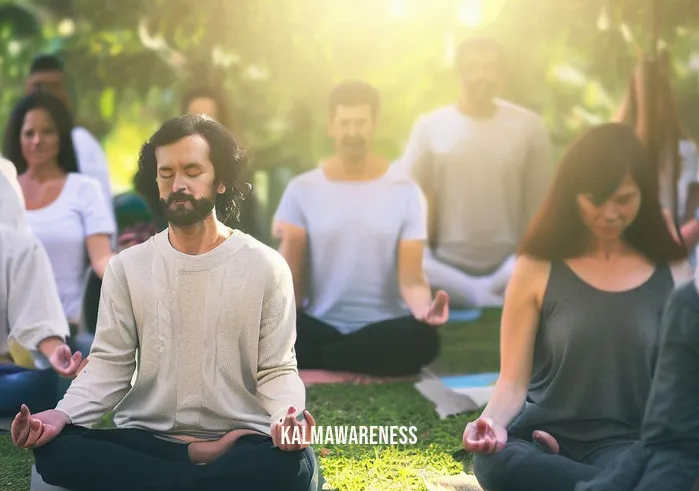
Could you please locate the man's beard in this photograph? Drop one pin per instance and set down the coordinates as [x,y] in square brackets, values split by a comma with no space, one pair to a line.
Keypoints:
[354,148]
[182,216]
[481,90]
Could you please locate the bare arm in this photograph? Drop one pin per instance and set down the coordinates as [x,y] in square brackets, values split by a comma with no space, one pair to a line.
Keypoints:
[414,288]
[293,249]
[99,226]
[520,323]
[99,250]
[690,234]
[48,345]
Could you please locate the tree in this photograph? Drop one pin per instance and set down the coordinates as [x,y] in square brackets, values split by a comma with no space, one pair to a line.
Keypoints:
[570,60]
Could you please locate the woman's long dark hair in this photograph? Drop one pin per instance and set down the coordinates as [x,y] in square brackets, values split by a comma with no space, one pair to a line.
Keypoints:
[596,164]
[668,122]
[12,147]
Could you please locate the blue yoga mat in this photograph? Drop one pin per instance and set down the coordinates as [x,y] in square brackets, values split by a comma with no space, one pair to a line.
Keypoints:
[467,315]
[471,380]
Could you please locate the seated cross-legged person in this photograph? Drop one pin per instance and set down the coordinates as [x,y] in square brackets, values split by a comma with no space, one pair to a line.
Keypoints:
[31,315]
[581,322]
[205,318]
[355,230]
[484,165]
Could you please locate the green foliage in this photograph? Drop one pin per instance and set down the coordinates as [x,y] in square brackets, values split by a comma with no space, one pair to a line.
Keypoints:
[278,60]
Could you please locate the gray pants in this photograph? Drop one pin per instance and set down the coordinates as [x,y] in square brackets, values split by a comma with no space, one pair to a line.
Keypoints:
[667,458]
[524,466]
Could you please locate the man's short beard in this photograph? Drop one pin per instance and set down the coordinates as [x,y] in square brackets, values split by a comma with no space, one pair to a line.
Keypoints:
[182,217]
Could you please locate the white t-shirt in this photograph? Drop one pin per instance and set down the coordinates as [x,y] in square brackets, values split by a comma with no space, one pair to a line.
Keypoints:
[488,176]
[353,230]
[62,227]
[92,161]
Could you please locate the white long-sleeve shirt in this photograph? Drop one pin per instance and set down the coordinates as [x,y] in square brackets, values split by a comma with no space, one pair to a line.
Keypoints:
[215,335]
[30,309]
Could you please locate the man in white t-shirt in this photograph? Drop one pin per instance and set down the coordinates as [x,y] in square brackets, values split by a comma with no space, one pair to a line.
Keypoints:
[46,73]
[485,166]
[353,232]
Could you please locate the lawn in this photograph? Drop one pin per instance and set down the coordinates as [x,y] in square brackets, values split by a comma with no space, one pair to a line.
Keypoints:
[471,347]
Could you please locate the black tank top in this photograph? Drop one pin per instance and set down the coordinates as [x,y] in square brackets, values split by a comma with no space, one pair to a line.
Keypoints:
[594,359]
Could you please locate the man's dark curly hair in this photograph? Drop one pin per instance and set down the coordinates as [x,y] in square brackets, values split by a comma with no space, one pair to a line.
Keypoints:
[226,154]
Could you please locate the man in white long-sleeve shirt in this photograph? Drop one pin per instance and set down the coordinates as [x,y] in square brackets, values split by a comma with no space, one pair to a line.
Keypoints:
[212,314]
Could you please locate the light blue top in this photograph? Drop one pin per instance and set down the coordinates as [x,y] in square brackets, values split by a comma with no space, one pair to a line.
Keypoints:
[354,228]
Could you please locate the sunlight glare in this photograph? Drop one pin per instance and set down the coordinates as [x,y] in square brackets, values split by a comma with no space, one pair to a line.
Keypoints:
[471,13]
[398,9]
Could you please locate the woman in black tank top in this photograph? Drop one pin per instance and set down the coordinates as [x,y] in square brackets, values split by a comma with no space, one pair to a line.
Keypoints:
[581,322]
[667,457]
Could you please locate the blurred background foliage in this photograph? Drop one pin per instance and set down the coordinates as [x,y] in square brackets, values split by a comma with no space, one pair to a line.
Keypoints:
[129,61]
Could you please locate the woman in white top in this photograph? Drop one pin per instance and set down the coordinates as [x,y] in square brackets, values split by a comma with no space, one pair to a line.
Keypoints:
[65,210]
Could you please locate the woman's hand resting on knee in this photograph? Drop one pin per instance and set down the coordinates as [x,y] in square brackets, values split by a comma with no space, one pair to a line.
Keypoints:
[484,436]
[33,431]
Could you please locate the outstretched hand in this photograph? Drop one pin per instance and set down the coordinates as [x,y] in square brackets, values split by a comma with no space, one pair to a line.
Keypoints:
[32,431]
[286,437]
[438,313]
[65,363]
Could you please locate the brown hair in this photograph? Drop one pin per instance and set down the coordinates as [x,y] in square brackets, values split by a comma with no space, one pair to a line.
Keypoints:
[668,122]
[596,164]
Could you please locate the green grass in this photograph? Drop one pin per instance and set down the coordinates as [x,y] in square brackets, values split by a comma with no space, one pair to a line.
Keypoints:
[471,347]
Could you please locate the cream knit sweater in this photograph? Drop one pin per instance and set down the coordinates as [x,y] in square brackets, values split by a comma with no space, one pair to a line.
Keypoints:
[210,337]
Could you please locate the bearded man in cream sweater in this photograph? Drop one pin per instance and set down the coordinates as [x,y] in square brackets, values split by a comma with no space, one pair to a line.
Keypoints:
[205,317]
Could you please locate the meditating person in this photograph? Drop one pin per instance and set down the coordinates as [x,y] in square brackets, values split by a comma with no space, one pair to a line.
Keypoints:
[31,315]
[66,210]
[484,165]
[213,103]
[667,457]
[353,233]
[581,322]
[205,318]
[47,74]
